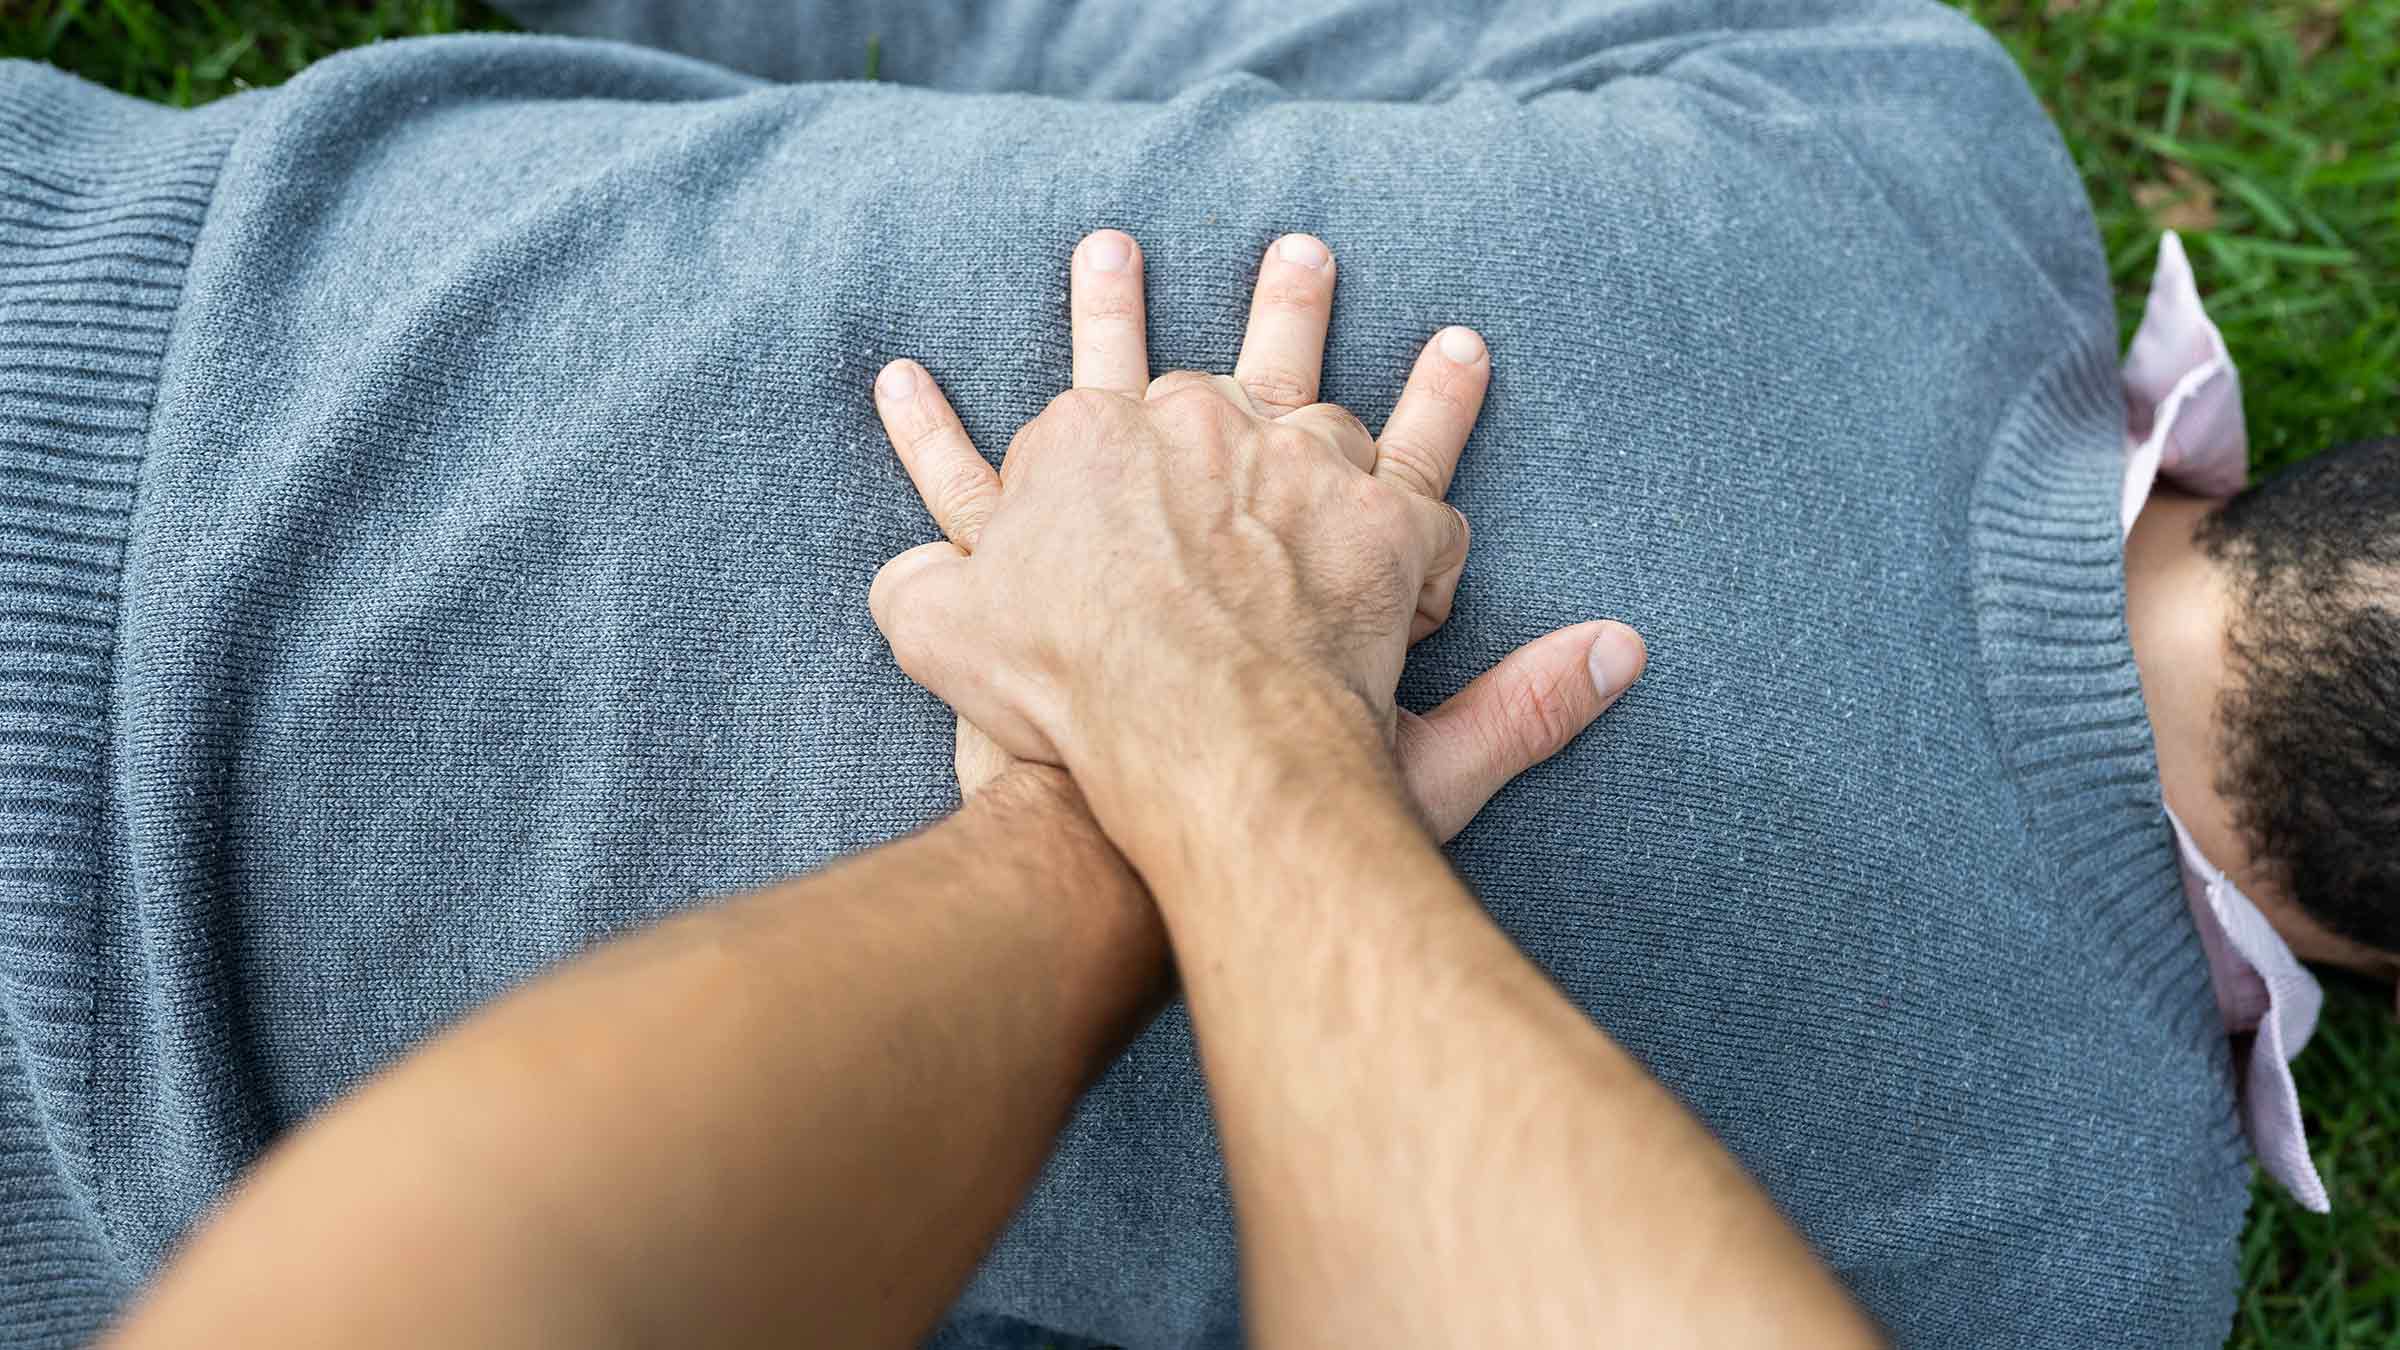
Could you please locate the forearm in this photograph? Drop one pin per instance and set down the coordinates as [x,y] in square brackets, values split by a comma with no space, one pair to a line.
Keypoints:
[1426,1140]
[718,1123]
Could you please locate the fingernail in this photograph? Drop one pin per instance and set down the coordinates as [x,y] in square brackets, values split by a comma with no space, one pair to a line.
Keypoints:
[1461,345]
[1301,249]
[898,380]
[1107,252]
[1616,659]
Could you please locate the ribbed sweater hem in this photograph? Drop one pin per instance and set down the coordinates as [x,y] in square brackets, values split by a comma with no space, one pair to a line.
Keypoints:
[101,200]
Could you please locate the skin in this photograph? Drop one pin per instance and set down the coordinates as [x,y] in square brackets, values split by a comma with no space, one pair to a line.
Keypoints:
[1427,1144]
[801,1115]
[1454,757]
[2179,606]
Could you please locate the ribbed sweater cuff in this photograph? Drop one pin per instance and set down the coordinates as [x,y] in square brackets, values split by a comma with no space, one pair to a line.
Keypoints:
[101,201]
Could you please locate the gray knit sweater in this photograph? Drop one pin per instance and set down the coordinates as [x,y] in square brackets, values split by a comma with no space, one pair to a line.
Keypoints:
[438,499]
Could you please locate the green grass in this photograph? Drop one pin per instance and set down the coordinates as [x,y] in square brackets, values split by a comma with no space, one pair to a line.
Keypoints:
[2278,122]
[190,51]
[2270,133]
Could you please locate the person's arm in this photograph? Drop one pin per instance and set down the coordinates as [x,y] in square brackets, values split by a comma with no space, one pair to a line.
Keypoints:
[1196,593]
[797,1116]
[809,1108]
[1427,1143]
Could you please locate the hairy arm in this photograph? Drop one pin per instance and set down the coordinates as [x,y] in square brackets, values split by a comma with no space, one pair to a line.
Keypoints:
[1427,1143]
[802,1113]
[1196,593]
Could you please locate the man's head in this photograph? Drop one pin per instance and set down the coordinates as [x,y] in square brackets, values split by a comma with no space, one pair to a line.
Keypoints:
[2307,716]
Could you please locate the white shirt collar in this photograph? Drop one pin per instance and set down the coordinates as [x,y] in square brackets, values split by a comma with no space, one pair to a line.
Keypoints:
[2183,402]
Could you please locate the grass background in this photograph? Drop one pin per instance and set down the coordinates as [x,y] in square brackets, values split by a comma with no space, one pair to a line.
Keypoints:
[2269,133]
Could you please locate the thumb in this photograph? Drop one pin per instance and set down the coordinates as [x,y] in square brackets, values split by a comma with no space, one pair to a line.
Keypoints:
[1515,715]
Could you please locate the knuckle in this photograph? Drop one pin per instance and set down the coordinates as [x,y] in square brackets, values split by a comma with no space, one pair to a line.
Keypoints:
[1539,716]
[884,598]
[1286,439]
[1080,403]
[1341,420]
[1304,299]
[1174,381]
[1109,305]
[918,664]
[1409,464]
[1279,387]
[1073,410]
[1388,530]
[1451,387]
[1195,399]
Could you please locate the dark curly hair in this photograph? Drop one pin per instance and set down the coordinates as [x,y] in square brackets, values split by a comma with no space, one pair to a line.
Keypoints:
[2311,719]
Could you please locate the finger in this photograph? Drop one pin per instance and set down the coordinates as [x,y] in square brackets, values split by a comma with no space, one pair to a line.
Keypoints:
[955,483]
[1283,352]
[1342,432]
[923,604]
[898,596]
[910,600]
[977,758]
[1105,314]
[1176,381]
[1420,445]
[1434,598]
[1440,534]
[1515,715]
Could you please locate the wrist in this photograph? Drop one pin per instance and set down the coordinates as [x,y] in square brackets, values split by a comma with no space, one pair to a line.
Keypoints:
[1265,757]
[1085,916]
[1033,816]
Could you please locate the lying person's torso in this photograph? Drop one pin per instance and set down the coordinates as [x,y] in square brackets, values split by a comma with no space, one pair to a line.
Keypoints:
[499,582]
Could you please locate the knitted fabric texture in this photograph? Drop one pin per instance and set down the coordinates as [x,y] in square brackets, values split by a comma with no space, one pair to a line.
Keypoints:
[441,495]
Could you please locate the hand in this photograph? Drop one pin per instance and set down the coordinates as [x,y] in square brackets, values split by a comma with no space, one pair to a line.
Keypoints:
[1517,714]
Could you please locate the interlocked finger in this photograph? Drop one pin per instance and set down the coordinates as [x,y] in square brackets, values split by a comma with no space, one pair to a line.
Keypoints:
[1342,432]
[1175,381]
[1428,429]
[958,487]
[1283,352]
[1105,314]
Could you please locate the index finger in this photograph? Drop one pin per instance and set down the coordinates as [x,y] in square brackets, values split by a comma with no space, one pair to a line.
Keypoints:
[1421,442]
[957,486]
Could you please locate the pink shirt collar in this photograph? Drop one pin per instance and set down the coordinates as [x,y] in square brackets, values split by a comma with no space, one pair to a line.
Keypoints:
[2183,402]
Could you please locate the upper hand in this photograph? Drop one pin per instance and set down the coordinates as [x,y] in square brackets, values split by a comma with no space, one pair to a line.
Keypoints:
[1146,541]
